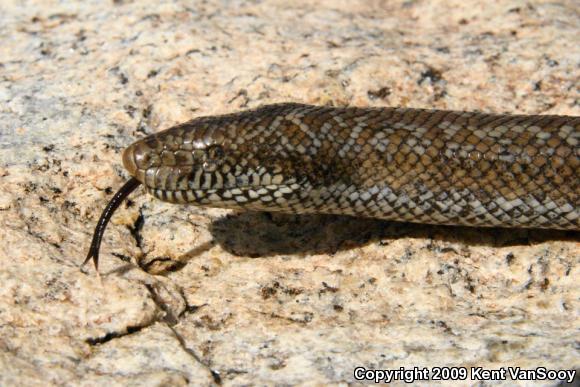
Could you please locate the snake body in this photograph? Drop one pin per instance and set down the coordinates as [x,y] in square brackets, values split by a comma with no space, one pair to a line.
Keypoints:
[427,166]
[414,165]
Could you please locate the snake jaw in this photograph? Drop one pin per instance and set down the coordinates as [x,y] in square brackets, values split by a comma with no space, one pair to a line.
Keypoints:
[266,198]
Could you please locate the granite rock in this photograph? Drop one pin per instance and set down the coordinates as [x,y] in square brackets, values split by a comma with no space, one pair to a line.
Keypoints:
[204,296]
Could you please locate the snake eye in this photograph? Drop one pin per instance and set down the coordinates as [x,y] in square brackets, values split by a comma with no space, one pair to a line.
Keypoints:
[215,153]
[214,158]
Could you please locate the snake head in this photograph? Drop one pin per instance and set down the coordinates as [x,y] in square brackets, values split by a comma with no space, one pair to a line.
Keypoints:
[233,161]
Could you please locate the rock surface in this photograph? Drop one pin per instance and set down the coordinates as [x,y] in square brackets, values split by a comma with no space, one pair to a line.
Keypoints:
[194,296]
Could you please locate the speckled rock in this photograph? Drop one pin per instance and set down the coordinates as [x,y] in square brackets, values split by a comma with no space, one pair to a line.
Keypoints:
[205,296]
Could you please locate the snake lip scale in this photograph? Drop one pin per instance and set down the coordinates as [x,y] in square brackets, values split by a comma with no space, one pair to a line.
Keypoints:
[400,164]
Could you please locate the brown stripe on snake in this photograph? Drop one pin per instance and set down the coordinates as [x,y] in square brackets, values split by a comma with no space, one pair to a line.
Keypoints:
[413,165]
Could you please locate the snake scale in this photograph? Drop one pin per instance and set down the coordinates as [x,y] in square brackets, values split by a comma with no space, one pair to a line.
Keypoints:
[400,164]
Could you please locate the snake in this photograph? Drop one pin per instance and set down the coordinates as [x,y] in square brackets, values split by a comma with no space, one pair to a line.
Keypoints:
[429,166]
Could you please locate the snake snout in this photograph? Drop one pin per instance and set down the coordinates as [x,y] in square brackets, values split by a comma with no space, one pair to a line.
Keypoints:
[129,160]
[138,157]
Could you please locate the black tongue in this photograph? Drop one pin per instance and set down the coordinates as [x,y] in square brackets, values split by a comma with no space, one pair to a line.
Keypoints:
[121,194]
